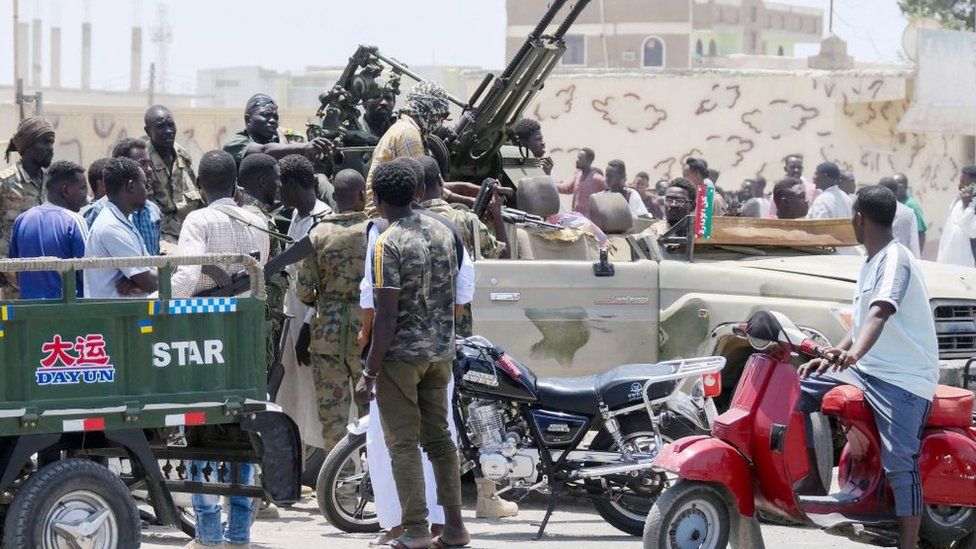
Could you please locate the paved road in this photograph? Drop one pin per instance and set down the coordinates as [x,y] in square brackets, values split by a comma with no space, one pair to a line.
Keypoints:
[301,527]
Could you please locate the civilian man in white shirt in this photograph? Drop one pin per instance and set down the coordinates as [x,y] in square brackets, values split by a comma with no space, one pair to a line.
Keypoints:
[833,202]
[114,235]
[616,178]
[956,244]
[296,396]
[891,354]
[905,226]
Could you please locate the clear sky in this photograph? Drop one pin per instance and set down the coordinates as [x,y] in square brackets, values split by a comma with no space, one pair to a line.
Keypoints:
[288,35]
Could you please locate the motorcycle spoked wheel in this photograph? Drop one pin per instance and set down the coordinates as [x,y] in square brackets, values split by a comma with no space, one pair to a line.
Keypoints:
[624,500]
[344,491]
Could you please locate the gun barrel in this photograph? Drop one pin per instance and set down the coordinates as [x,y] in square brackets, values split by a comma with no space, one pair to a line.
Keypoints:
[534,35]
[400,67]
[571,18]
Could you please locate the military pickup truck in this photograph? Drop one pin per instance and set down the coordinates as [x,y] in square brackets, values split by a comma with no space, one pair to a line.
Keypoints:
[565,313]
[102,400]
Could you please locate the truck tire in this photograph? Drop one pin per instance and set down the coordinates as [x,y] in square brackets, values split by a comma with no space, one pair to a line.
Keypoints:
[343,489]
[70,501]
[628,516]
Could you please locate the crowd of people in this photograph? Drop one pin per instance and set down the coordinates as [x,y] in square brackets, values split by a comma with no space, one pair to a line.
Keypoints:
[828,195]
[378,304]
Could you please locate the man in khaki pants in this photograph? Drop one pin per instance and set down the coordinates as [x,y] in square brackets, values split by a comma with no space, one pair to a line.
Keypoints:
[415,268]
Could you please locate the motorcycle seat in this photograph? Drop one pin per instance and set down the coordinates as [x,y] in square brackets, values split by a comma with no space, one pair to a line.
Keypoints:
[622,386]
[951,407]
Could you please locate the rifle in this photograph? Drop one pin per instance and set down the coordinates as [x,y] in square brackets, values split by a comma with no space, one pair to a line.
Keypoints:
[510,215]
[240,282]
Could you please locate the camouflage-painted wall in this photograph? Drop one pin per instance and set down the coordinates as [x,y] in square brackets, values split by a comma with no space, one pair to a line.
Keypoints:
[745,122]
[87,133]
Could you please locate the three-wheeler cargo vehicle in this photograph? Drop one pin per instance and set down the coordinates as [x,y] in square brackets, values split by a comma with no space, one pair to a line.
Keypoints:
[102,400]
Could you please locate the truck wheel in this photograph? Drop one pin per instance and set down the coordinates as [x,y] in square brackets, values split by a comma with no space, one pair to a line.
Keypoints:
[343,489]
[72,503]
[624,500]
[943,524]
[689,515]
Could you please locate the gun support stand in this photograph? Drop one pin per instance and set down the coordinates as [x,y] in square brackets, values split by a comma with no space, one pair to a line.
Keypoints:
[556,490]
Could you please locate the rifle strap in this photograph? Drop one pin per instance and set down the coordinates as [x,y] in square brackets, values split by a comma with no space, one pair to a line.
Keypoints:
[229,212]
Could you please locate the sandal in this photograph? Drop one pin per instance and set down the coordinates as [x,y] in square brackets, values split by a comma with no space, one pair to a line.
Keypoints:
[438,543]
[403,542]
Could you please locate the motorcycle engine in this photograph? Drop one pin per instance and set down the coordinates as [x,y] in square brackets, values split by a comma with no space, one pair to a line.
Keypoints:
[501,453]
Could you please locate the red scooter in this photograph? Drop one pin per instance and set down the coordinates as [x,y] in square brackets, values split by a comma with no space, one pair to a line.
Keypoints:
[757,455]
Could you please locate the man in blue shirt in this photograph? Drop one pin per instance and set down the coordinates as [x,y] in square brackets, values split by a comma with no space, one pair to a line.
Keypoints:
[114,235]
[147,218]
[53,229]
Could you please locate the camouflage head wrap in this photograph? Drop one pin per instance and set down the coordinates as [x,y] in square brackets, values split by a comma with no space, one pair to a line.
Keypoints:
[28,131]
[427,104]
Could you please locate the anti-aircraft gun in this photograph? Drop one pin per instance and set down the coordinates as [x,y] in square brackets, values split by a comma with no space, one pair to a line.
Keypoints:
[473,149]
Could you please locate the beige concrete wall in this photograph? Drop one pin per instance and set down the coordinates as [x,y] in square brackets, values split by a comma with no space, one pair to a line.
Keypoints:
[745,122]
[87,133]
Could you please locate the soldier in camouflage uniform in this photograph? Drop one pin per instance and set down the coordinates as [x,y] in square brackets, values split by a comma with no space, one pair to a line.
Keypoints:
[22,184]
[329,281]
[260,179]
[411,353]
[262,135]
[467,224]
[174,187]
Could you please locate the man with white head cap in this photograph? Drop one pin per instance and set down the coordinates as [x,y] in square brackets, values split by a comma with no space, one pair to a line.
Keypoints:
[424,109]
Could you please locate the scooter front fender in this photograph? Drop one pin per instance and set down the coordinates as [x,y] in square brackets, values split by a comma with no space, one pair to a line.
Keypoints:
[707,459]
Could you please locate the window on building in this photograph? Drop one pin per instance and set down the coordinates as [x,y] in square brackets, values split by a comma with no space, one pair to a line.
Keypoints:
[754,14]
[653,52]
[779,52]
[712,48]
[699,48]
[753,42]
[221,83]
[575,50]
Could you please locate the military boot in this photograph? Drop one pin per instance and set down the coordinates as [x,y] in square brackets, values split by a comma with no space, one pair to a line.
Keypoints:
[491,506]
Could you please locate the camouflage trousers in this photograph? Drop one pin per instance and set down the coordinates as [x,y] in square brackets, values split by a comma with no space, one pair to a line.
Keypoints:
[334,377]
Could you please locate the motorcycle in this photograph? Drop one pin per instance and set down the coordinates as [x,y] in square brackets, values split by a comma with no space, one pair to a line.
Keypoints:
[757,452]
[530,434]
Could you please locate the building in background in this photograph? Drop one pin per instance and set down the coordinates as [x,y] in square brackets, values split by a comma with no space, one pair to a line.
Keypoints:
[226,87]
[672,33]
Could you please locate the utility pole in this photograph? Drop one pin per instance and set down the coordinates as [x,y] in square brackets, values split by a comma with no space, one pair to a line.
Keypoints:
[16,52]
[830,22]
[152,84]
[162,36]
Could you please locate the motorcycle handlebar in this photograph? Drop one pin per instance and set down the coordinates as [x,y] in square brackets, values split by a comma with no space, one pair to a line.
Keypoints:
[808,347]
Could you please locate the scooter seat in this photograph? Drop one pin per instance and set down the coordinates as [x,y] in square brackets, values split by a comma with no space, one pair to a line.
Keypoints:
[951,407]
